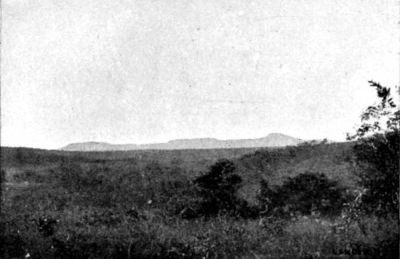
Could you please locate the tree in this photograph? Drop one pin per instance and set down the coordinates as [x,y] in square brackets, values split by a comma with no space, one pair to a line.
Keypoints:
[381,117]
[218,188]
[377,152]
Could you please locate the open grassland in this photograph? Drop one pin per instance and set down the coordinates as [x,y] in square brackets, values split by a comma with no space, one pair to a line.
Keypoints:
[140,204]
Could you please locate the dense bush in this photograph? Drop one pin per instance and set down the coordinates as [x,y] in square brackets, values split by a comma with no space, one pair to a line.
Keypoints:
[218,191]
[218,188]
[305,193]
[378,158]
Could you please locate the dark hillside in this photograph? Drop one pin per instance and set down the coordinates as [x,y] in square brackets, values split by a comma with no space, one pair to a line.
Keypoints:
[273,164]
[334,160]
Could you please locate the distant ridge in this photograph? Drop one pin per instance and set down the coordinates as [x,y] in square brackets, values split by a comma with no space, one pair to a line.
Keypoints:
[272,140]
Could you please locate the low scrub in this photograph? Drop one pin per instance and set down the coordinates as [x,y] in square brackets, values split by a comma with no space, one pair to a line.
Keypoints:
[304,194]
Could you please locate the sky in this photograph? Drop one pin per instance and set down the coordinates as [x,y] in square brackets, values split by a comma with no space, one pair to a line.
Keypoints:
[150,71]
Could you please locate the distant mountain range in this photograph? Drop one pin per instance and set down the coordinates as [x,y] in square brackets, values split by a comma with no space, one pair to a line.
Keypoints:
[272,140]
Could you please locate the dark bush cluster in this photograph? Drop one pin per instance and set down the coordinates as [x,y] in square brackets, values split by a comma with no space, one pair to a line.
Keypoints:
[378,157]
[218,190]
[303,194]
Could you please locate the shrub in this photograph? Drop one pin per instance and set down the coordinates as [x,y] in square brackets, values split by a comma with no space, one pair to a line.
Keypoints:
[305,193]
[378,158]
[218,189]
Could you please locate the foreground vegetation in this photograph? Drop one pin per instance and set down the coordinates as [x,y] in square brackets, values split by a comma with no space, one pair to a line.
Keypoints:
[74,208]
[315,200]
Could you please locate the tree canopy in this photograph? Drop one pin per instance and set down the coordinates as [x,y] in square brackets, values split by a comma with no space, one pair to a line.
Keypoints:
[377,152]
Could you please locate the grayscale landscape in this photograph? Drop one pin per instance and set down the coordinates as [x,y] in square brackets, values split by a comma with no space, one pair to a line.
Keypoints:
[200,129]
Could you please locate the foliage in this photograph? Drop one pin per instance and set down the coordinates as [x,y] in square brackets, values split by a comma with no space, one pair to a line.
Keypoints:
[378,153]
[378,158]
[218,189]
[219,237]
[305,193]
[381,117]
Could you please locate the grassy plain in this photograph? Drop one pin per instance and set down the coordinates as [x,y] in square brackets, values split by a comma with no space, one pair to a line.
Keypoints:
[58,204]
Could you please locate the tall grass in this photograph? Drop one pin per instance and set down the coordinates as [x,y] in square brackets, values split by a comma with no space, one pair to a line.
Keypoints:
[114,209]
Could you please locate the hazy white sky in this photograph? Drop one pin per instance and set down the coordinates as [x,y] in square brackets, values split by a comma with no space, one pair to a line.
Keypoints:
[150,71]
